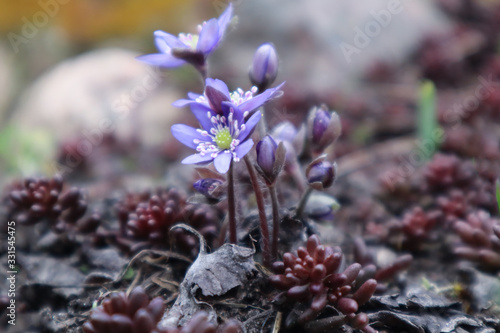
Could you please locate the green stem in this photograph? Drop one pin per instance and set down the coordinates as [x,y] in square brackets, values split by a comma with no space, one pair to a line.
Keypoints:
[264,229]
[231,207]
[276,221]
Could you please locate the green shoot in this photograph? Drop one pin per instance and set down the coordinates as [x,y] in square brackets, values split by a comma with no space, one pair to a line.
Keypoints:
[129,274]
[427,118]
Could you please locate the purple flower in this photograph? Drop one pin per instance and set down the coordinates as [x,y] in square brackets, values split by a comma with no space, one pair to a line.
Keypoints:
[323,128]
[292,139]
[223,137]
[209,187]
[321,173]
[217,94]
[265,66]
[190,48]
[266,154]
[270,159]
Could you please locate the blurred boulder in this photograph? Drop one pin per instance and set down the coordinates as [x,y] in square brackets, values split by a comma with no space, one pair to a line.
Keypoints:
[97,93]
[325,44]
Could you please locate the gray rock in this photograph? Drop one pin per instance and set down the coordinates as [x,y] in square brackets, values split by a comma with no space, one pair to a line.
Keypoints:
[312,37]
[98,92]
[58,274]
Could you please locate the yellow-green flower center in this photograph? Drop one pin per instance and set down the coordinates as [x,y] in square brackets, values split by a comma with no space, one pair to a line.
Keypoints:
[194,41]
[223,139]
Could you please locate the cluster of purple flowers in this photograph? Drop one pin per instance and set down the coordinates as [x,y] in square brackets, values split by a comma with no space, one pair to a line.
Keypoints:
[227,119]
[227,122]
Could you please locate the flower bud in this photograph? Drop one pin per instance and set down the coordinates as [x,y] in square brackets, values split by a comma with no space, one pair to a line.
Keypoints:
[264,67]
[270,159]
[321,173]
[266,150]
[323,127]
[284,131]
[292,139]
[321,206]
[209,188]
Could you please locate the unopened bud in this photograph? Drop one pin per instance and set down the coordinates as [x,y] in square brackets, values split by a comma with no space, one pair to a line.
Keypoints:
[270,159]
[321,173]
[208,187]
[264,67]
[292,139]
[324,128]
[266,150]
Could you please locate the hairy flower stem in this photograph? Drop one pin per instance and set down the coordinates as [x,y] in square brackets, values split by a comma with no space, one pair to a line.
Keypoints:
[302,203]
[264,230]
[297,175]
[276,221]
[262,124]
[231,205]
[203,72]
[223,231]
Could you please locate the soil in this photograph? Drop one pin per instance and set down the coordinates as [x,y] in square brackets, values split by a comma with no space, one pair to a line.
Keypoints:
[396,197]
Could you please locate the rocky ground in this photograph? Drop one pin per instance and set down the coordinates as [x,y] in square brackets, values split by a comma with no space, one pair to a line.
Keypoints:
[417,225]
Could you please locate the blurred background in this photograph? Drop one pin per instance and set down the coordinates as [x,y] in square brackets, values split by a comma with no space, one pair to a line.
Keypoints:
[72,93]
[66,66]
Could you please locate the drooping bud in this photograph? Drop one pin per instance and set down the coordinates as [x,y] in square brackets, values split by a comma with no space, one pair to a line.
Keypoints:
[270,159]
[292,138]
[264,67]
[323,128]
[209,187]
[321,173]
[321,206]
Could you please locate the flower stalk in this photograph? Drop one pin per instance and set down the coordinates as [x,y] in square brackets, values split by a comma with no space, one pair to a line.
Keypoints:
[302,203]
[231,204]
[259,197]
[276,221]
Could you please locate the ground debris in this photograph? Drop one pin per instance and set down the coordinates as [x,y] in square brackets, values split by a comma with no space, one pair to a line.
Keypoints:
[210,275]
[56,274]
[422,311]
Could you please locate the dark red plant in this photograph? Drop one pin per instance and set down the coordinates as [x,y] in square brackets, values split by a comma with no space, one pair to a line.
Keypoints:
[417,226]
[455,205]
[132,314]
[445,171]
[42,199]
[36,199]
[147,218]
[370,268]
[480,234]
[315,277]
